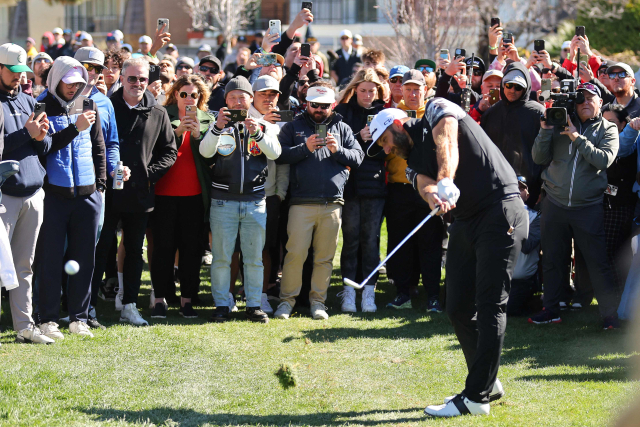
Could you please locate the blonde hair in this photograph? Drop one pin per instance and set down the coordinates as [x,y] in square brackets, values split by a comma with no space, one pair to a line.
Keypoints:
[189,80]
[366,75]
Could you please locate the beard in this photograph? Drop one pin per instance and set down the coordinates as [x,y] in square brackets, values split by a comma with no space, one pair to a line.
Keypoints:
[402,144]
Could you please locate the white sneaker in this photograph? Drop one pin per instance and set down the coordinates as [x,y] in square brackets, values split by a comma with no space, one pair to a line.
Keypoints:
[457,406]
[50,329]
[264,304]
[207,259]
[319,311]
[348,296]
[283,311]
[232,303]
[369,299]
[496,392]
[31,334]
[130,314]
[119,302]
[80,328]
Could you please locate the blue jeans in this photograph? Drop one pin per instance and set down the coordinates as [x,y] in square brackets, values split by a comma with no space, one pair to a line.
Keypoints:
[226,218]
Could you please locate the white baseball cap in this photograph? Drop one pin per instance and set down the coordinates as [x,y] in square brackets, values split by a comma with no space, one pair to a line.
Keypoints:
[492,73]
[357,40]
[57,30]
[85,36]
[566,45]
[145,39]
[321,95]
[515,76]
[74,75]
[14,58]
[380,123]
[346,33]
[118,34]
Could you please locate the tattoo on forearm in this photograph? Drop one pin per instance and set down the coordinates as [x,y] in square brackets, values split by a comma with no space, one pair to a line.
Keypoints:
[446,139]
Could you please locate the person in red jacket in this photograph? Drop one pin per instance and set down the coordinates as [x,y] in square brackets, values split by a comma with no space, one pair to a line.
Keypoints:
[490,80]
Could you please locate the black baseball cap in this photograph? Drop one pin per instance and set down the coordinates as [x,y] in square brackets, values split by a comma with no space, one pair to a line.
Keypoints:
[211,58]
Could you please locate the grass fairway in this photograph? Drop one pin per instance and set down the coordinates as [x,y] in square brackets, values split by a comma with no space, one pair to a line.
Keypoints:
[369,369]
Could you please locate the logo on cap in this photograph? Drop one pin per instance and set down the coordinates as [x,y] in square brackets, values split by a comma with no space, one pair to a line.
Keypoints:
[21,58]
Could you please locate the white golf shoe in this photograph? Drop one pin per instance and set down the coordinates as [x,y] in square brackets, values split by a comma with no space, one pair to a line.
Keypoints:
[50,329]
[32,335]
[496,392]
[80,328]
[283,311]
[319,311]
[348,296]
[457,406]
[130,314]
[369,299]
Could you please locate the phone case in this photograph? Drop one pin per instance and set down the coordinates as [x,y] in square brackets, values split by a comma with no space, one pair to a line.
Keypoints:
[307,5]
[286,115]
[305,50]
[275,27]
[161,21]
[238,115]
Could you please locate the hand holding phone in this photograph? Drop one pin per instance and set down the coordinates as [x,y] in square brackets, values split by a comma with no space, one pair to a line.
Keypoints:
[163,22]
[276,28]
[305,50]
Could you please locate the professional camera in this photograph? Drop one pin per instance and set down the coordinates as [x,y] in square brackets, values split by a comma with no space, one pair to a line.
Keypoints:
[564,103]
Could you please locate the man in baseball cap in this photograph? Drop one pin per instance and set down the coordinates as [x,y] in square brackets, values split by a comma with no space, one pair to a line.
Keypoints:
[14,58]
[622,85]
[86,40]
[211,70]
[184,65]
[395,84]
[477,69]
[413,92]
[347,57]
[144,44]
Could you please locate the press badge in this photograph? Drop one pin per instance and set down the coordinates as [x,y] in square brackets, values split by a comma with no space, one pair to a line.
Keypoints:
[611,190]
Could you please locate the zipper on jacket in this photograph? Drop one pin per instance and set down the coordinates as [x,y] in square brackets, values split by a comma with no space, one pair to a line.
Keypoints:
[73,163]
[241,132]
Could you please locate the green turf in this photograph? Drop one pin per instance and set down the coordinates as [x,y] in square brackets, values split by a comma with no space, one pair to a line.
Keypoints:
[363,369]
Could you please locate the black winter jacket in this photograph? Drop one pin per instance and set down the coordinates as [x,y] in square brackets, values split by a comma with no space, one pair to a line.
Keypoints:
[368,180]
[513,127]
[147,147]
[318,177]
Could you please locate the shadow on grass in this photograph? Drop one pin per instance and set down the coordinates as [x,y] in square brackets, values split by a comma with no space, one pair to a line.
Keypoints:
[188,417]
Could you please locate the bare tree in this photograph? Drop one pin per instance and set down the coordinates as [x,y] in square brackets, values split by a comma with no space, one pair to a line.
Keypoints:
[227,16]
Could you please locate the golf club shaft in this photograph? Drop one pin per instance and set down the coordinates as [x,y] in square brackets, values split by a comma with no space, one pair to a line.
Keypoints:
[427,218]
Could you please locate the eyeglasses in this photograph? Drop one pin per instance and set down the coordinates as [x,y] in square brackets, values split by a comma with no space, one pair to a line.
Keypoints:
[185,67]
[43,60]
[395,80]
[425,68]
[619,74]
[92,67]
[212,70]
[321,106]
[344,38]
[303,82]
[194,95]
[133,80]
[517,87]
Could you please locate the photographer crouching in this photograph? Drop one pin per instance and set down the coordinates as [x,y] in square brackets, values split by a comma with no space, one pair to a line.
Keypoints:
[577,152]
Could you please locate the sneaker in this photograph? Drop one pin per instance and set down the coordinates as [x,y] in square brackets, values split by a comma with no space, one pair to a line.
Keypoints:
[283,311]
[232,306]
[220,314]
[50,329]
[611,322]
[32,335]
[207,259]
[545,316]
[576,306]
[80,328]
[256,314]
[348,296]
[130,314]
[119,302]
[187,311]
[264,304]
[107,291]
[457,406]
[497,392]
[401,302]
[159,311]
[563,305]
[319,311]
[368,303]
[434,306]
[94,324]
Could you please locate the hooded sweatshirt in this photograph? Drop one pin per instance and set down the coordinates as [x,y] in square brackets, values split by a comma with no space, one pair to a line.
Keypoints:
[513,127]
[18,145]
[76,163]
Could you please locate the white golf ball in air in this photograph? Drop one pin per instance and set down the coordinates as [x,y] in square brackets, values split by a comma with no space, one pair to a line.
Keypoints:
[71,267]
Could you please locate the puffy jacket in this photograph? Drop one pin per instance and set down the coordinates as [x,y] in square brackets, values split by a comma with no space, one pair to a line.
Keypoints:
[76,163]
[18,145]
[109,128]
[319,176]
[368,180]
[513,126]
[576,174]
[240,169]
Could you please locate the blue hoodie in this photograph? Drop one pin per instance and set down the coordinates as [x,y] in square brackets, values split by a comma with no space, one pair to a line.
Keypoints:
[109,129]
[18,145]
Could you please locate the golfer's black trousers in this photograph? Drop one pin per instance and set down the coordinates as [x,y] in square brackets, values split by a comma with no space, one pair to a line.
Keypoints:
[482,254]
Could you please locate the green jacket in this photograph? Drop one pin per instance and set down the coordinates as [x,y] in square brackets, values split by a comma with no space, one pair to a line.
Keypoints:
[576,175]
[203,165]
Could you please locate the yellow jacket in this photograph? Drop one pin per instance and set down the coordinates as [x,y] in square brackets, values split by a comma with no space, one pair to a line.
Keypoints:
[396,166]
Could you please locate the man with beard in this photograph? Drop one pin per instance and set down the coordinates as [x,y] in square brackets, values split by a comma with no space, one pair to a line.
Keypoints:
[622,83]
[479,187]
[211,71]
[167,72]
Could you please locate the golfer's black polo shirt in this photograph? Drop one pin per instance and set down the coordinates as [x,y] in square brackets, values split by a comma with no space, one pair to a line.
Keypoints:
[483,176]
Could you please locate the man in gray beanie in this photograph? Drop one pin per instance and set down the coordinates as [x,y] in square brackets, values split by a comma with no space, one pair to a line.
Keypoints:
[240,148]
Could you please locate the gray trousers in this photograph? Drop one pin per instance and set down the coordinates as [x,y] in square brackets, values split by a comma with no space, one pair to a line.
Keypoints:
[22,221]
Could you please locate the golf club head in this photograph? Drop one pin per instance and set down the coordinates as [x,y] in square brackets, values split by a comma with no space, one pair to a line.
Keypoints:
[353,284]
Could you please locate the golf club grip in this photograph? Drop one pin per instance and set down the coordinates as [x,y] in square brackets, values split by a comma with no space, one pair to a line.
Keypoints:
[427,218]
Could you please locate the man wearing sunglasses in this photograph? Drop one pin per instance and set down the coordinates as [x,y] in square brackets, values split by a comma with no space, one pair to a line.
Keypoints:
[513,124]
[211,71]
[576,158]
[347,57]
[319,171]
[148,147]
[622,83]
[395,84]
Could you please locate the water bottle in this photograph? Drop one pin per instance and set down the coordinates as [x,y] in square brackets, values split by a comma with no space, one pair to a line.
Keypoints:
[118,179]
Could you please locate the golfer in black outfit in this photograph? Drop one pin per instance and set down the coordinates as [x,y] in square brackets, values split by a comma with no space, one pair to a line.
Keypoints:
[450,156]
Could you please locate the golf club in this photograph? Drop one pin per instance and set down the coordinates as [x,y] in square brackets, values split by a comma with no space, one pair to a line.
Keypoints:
[353,284]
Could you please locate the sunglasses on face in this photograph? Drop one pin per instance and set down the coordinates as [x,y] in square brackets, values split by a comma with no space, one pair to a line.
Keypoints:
[395,80]
[344,38]
[619,74]
[426,68]
[303,82]
[43,60]
[193,95]
[212,70]
[91,67]
[185,67]
[478,73]
[518,88]
[321,106]
[133,80]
